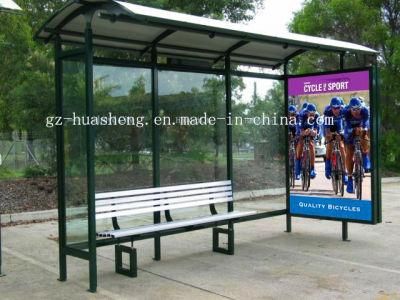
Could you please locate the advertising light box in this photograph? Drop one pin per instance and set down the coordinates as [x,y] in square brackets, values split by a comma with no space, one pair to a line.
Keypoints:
[331,161]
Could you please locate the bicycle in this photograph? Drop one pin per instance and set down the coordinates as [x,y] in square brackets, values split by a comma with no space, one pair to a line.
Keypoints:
[292,159]
[306,165]
[338,172]
[358,173]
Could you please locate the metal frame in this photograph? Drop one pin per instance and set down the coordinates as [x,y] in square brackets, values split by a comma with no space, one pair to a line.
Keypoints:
[221,32]
[86,52]
[77,249]
[119,268]
[90,144]
[376,211]
[288,215]
[1,256]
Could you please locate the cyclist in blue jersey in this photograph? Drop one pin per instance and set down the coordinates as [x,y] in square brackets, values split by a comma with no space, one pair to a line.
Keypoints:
[303,108]
[308,127]
[342,102]
[356,118]
[335,124]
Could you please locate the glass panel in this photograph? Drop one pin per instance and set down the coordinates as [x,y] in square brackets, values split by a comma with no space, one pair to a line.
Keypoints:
[123,154]
[75,152]
[258,144]
[192,152]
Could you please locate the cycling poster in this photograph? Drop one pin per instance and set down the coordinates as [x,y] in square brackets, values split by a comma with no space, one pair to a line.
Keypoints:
[329,146]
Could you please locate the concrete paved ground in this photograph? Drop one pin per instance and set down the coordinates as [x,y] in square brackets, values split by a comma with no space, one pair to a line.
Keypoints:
[310,263]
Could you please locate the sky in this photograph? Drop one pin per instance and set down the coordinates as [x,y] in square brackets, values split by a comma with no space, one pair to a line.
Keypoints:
[276,14]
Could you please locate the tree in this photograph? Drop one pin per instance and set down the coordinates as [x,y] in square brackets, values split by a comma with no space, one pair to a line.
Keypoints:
[27,69]
[233,10]
[374,23]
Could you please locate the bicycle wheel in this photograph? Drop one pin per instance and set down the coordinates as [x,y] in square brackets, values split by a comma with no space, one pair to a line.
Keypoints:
[303,172]
[292,172]
[293,177]
[334,174]
[358,177]
[303,178]
[307,170]
[340,180]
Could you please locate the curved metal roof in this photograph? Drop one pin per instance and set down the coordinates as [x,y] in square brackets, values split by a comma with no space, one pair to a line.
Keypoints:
[9,5]
[128,26]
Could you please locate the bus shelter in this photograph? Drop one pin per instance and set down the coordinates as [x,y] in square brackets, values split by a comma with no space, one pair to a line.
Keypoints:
[114,59]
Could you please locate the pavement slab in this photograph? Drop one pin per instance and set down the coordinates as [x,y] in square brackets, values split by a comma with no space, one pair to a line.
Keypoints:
[310,263]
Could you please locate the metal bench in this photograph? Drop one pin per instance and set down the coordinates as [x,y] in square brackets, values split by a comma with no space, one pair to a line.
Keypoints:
[164,199]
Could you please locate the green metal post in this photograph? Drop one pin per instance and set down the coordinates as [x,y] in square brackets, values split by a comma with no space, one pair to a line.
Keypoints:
[375,149]
[345,225]
[90,142]
[60,162]
[229,141]
[155,142]
[228,92]
[288,216]
[1,274]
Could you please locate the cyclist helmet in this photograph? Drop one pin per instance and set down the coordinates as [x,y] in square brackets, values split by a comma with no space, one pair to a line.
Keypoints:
[304,105]
[336,102]
[292,109]
[355,103]
[362,100]
[311,108]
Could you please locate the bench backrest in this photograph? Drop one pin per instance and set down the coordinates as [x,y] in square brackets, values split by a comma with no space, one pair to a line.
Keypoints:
[140,201]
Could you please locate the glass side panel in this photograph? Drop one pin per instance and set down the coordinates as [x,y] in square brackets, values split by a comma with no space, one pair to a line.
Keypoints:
[123,156]
[258,144]
[75,152]
[192,152]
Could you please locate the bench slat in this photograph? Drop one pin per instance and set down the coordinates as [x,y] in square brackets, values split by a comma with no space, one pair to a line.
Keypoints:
[151,190]
[162,195]
[171,225]
[162,201]
[160,208]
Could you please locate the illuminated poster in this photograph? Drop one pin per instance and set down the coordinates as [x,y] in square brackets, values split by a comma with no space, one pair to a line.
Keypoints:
[329,146]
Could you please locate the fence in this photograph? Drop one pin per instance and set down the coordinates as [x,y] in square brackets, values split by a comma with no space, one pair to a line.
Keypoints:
[20,151]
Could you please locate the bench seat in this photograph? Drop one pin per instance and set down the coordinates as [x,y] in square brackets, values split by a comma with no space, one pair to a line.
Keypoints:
[162,200]
[173,225]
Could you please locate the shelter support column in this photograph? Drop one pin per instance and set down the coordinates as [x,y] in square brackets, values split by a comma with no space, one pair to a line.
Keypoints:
[375,136]
[90,142]
[1,274]
[155,142]
[345,225]
[60,163]
[229,163]
[288,216]
[228,111]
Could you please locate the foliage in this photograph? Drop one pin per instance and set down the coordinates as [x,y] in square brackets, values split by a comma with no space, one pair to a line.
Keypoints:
[271,136]
[35,171]
[6,173]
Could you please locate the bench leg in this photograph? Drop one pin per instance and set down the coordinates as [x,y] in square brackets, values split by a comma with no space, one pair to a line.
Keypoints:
[157,248]
[119,268]
[231,245]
